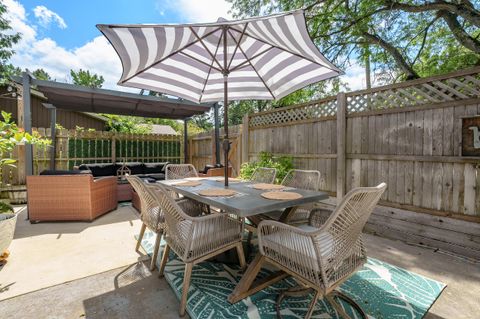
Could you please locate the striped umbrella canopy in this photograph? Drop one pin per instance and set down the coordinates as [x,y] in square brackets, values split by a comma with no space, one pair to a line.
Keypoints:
[257,58]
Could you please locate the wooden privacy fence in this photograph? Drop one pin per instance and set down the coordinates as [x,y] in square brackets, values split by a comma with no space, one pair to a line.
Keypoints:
[408,135]
[202,148]
[74,147]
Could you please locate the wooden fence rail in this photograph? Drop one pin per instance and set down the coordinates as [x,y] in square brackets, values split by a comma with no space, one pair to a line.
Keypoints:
[74,147]
[408,135]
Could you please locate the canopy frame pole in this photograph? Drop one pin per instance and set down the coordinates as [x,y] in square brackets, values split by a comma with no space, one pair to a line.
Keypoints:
[52,110]
[185,141]
[27,121]
[226,142]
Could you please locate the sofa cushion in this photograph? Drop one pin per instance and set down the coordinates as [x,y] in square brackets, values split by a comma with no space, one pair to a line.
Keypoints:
[65,172]
[154,168]
[100,169]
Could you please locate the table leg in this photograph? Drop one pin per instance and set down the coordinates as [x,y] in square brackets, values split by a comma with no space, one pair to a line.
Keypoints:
[287,214]
[246,286]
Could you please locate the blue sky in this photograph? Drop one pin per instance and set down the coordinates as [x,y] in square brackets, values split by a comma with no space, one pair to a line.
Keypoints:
[59,35]
[82,16]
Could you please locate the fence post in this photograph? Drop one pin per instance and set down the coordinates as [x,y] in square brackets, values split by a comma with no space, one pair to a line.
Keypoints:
[114,149]
[341,135]
[244,140]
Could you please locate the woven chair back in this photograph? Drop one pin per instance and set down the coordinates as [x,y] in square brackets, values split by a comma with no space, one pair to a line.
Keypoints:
[344,229]
[177,221]
[264,175]
[179,171]
[150,214]
[303,179]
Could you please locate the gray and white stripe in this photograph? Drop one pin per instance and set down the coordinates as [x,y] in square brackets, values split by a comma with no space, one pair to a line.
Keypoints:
[267,57]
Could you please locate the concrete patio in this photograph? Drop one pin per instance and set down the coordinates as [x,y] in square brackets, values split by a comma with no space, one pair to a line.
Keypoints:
[77,270]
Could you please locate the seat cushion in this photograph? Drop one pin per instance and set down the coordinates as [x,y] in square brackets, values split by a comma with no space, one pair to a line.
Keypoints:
[277,242]
[155,168]
[65,172]
[100,169]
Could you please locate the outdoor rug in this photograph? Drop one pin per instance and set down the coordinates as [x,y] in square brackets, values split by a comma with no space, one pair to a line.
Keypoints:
[382,290]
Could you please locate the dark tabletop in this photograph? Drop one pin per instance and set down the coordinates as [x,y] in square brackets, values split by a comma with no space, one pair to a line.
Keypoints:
[248,202]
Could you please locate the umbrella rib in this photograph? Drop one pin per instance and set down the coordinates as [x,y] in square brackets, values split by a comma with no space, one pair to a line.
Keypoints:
[210,70]
[205,47]
[238,44]
[200,61]
[168,56]
[254,69]
[243,64]
[283,49]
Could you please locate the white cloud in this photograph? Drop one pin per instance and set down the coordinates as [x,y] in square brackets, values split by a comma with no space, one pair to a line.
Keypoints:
[46,16]
[33,52]
[355,77]
[197,11]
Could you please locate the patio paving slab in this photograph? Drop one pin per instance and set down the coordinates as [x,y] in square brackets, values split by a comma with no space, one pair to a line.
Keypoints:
[126,292]
[132,292]
[47,254]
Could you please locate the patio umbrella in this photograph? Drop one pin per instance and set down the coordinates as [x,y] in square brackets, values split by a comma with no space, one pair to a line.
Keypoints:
[257,58]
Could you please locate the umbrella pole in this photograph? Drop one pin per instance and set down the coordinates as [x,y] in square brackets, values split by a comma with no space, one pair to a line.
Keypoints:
[226,142]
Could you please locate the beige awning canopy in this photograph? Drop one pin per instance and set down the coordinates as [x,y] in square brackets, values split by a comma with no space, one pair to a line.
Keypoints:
[85,99]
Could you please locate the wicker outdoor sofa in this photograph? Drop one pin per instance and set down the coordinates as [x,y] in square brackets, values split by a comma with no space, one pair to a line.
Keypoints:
[77,197]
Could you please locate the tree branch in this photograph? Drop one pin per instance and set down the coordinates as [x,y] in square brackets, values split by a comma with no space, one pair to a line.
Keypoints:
[458,32]
[464,9]
[396,55]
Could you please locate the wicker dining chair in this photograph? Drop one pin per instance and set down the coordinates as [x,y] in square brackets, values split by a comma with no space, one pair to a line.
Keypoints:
[179,171]
[151,215]
[264,175]
[322,255]
[195,239]
[303,179]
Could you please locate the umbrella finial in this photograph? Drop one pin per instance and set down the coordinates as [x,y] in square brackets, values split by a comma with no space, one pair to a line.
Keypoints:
[221,19]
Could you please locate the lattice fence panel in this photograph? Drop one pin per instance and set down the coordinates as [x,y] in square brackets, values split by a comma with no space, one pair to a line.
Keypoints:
[435,91]
[310,111]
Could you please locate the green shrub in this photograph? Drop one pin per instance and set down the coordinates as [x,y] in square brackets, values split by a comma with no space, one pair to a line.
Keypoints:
[282,164]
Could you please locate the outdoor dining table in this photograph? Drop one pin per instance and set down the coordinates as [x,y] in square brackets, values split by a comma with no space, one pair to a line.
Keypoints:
[247,202]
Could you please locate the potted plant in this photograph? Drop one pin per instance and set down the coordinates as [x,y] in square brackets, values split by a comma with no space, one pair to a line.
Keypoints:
[10,137]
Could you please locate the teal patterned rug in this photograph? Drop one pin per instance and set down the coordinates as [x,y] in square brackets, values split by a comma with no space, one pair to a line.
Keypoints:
[382,290]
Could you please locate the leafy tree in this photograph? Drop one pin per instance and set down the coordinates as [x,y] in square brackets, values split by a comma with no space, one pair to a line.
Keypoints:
[7,40]
[41,74]
[85,78]
[126,124]
[402,39]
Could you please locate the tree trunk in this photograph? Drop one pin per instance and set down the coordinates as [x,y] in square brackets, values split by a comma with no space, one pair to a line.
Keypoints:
[458,32]
[397,56]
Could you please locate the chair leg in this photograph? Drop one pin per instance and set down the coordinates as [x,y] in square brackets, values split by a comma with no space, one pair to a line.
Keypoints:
[140,236]
[186,284]
[338,307]
[309,313]
[155,251]
[166,251]
[241,256]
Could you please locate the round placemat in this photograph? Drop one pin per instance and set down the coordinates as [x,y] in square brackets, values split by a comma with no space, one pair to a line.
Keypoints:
[217,192]
[188,183]
[265,186]
[281,195]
